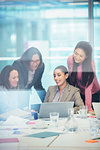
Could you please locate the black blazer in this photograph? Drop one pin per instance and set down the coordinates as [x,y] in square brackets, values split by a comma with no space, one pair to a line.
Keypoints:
[23,75]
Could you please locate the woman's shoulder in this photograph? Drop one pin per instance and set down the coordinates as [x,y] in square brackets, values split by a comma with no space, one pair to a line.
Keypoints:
[53,87]
[73,88]
[18,64]
[70,59]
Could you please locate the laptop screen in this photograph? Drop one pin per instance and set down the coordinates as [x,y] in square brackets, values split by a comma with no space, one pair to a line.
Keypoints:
[10,100]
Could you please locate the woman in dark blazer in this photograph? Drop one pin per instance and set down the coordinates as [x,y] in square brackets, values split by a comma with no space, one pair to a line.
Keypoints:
[31,67]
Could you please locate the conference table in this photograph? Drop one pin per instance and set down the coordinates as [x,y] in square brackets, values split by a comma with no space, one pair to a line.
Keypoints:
[35,135]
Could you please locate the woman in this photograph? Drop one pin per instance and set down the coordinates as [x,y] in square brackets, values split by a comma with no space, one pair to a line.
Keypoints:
[82,73]
[10,95]
[63,91]
[9,78]
[8,89]
[31,67]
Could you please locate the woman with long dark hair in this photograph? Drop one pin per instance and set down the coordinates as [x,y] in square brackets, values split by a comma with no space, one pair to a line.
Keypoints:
[82,73]
[30,68]
[10,96]
[9,78]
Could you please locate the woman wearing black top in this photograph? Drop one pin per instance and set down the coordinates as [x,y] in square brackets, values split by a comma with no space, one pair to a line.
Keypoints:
[31,67]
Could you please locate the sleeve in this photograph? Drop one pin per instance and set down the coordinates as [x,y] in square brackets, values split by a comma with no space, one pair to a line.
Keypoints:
[77,100]
[88,97]
[93,66]
[37,78]
[88,90]
[70,63]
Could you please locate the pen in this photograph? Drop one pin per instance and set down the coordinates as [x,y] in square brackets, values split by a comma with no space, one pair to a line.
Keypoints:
[96,138]
[15,128]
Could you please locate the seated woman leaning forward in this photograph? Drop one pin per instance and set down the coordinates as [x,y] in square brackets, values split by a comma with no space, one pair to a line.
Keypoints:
[9,78]
[63,91]
[8,89]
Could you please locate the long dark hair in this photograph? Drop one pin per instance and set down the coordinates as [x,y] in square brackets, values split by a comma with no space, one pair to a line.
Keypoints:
[87,71]
[4,76]
[27,56]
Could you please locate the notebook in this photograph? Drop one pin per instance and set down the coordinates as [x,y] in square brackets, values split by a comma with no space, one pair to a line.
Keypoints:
[96,107]
[9,140]
[60,107]
[44,134]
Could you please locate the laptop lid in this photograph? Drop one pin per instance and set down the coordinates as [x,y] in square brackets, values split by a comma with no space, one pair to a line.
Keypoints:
[10,100]
[96,107]
[60,107]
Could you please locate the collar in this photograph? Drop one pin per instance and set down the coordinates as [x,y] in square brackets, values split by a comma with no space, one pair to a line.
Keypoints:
[67,86]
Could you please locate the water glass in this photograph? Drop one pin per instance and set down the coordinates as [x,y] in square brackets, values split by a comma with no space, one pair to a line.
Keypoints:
[83,112]
[94,127]
[71,123]
[54,118]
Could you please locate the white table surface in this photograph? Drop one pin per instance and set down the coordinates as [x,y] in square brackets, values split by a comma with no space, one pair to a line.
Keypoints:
[76,140]
[65,141]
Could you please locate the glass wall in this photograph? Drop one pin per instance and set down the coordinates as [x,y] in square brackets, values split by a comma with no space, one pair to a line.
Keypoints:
[61,26]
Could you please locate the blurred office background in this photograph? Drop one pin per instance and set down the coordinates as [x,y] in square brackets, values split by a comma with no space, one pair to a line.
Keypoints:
[55,26]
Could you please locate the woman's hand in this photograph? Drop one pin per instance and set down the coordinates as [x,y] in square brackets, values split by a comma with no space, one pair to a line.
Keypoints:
[91,112]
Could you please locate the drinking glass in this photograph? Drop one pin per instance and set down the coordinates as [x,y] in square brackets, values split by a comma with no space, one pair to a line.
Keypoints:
[54,118]
[83,112]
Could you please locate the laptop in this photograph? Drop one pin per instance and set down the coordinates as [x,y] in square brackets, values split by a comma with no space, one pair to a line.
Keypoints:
[60,107]
[96,106]
[10,100]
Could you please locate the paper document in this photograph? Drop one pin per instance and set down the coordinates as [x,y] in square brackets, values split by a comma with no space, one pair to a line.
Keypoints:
[16,112]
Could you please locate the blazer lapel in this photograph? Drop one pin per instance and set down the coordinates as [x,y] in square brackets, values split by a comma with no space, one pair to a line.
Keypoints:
[53,93]
[66,94]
